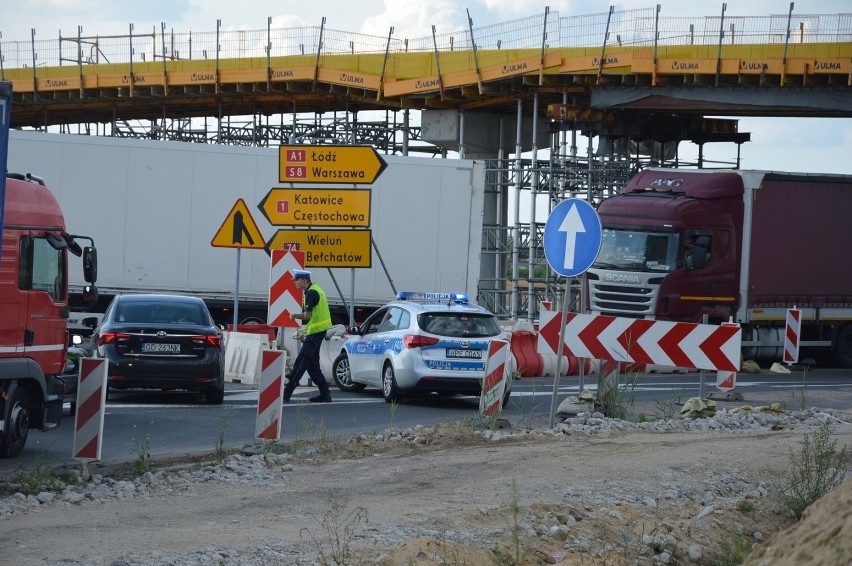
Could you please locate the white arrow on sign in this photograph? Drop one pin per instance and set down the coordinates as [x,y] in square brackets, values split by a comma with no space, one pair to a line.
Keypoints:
[572,225]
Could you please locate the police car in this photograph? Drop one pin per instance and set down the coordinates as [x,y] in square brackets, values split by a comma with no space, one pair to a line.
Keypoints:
[419,344]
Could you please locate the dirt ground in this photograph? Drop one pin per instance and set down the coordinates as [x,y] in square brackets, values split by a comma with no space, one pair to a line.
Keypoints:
[455,498]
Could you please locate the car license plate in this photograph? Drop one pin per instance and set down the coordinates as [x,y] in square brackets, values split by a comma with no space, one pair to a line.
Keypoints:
[152,348]
[461,353]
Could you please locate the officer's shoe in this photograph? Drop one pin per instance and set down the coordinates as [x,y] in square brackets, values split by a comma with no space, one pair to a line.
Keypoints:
[321,398]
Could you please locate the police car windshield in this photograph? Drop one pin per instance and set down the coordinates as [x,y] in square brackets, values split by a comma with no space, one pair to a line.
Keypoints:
[459,325]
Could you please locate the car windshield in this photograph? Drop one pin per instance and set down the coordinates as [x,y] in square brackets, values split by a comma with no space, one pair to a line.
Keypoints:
[636,250]
[154,312]
[459,325]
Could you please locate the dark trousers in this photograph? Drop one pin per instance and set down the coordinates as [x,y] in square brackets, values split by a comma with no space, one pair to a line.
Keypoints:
[308,360]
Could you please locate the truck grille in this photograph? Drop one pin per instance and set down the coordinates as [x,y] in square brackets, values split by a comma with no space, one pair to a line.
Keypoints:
[636,297]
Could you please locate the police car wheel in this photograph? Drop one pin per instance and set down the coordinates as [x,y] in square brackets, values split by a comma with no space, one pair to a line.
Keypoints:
[342,374]
[390,391]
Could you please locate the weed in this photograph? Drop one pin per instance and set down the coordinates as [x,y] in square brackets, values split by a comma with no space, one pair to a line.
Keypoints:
[394,405]
[617,396]
[220,452]
[731,550]
[815,471]
[803,393]
[321,440]
[338,530]
[669,408]
[745,506]
[480,422]
[517,552]
[527,410]
[142,449]
[41,477]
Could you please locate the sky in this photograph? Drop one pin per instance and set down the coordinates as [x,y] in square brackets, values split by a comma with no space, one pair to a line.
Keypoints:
[783,144]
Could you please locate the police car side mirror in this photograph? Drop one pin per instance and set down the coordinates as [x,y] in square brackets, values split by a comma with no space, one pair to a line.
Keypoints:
[354,330]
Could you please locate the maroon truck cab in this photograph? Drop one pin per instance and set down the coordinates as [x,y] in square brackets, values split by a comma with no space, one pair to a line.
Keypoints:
[743,245]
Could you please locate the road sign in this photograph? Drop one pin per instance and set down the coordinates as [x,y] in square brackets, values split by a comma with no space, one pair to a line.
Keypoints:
[317,207]
[238,230]
[792,331]
[328,248]
[285,298]
[270,395]
[496,375]
[641,341]
[329,164]
[89,419]
[572,237]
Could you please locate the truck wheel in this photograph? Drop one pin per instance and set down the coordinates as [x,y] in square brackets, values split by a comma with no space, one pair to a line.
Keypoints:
[17,425]
[843,346]
[343,375]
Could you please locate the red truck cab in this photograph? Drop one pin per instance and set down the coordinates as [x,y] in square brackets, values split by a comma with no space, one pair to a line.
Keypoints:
[34,309]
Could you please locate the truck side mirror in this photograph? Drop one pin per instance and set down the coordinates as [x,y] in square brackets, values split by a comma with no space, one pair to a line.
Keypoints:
[90,293]
[90,264]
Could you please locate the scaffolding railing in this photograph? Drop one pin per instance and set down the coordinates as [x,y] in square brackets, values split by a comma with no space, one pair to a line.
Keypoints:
[638,28]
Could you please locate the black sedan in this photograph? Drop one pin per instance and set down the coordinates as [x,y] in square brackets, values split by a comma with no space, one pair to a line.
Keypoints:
[166,342]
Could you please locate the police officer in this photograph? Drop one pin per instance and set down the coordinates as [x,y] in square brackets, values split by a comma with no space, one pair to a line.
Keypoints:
[316,314]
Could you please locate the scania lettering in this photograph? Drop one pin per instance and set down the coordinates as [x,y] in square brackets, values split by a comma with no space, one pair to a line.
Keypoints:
[741,245]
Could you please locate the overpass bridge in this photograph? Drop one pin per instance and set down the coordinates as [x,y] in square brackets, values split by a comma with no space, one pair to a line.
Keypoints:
[639,81]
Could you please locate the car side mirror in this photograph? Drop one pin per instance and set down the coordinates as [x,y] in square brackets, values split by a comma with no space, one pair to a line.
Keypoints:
[354,330]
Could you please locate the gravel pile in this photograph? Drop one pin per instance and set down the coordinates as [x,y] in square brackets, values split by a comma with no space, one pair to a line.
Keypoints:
[696,506]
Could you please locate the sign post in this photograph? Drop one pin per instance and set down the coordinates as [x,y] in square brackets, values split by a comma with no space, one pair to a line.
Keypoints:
[572,240]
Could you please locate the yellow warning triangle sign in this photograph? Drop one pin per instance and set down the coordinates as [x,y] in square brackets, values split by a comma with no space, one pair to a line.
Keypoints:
[238,230]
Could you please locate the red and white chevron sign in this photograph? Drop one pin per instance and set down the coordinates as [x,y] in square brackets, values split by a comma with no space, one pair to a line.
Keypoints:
[271,390]
[89,420]
[496,375]
[791,336]
[681,344]
[284,297]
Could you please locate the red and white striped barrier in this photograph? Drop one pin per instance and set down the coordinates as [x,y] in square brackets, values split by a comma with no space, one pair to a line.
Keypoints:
[89,419]
[641,341]
[284,297]
[268,423]
[496,375]
[791,336]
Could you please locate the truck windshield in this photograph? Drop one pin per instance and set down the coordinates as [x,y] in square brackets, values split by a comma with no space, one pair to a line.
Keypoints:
[637,250]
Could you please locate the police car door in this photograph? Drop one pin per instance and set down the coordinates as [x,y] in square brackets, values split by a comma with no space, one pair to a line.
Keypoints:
[360,349]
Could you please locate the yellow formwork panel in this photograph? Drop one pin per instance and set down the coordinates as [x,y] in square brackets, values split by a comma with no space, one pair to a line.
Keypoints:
[415,72]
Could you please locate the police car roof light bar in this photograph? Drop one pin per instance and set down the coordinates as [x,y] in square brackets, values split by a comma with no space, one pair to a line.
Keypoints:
[459,298]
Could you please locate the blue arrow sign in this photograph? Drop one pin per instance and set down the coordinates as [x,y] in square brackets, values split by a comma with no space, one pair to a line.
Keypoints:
[572,237]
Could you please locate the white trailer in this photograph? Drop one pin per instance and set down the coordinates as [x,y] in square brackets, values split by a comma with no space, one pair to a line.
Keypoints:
[153,208]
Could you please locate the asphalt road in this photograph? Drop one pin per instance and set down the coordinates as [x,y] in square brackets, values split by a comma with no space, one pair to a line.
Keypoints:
[178,423]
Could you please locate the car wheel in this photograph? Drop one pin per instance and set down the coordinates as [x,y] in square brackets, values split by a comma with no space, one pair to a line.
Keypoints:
[343,375]
[215,395]
[17,425]
[389,387]
[72,409]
